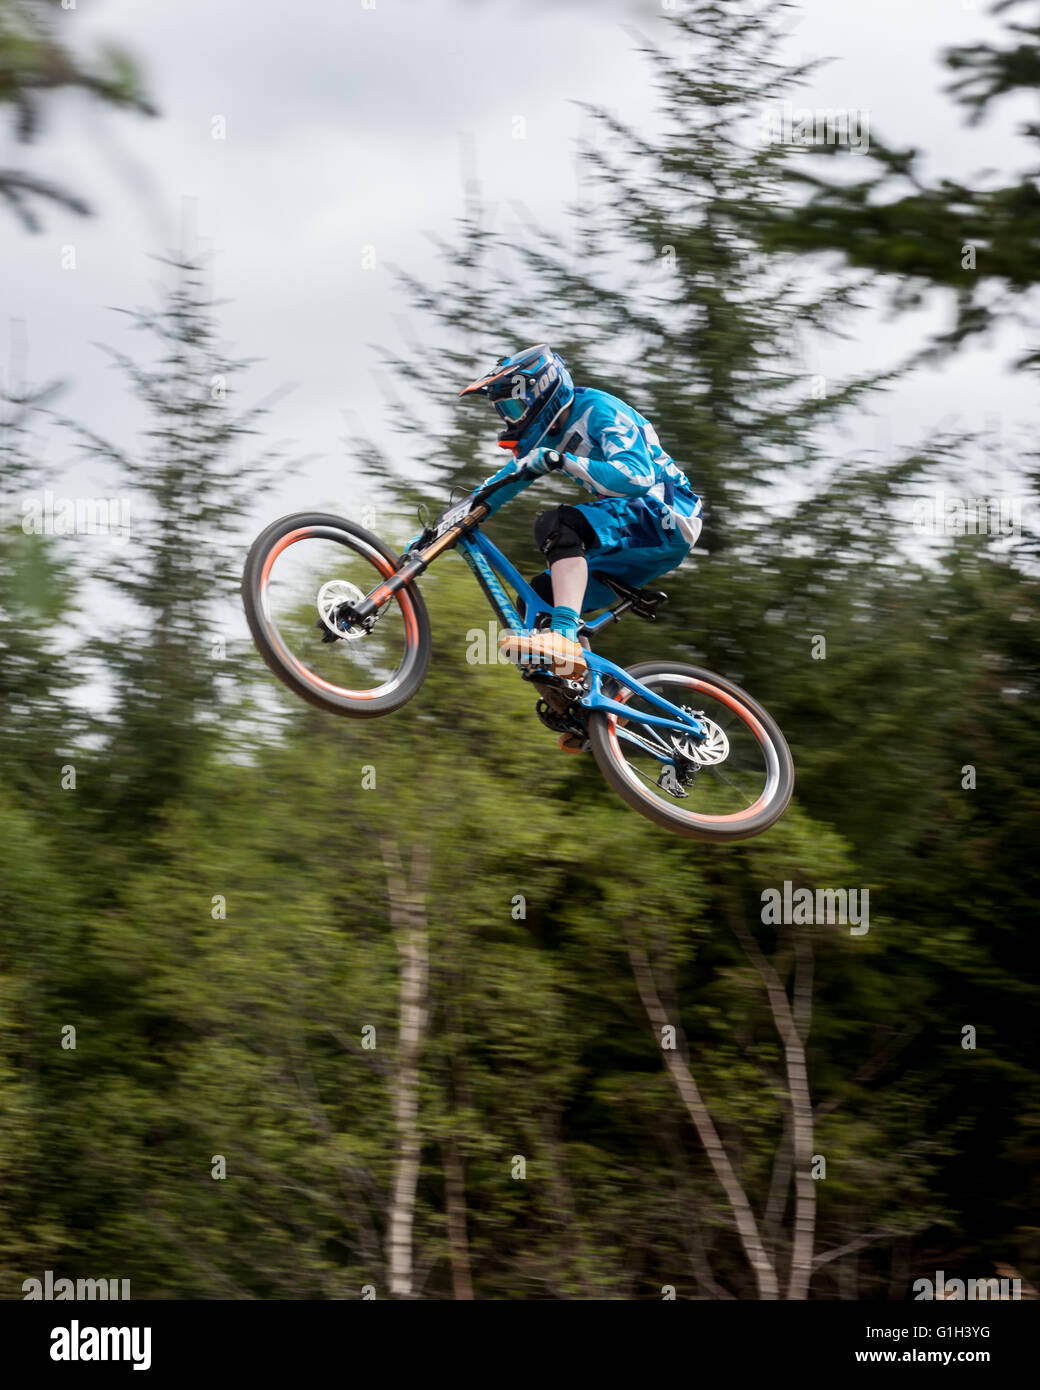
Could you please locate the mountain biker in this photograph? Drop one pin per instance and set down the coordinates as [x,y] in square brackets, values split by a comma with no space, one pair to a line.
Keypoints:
[645,517]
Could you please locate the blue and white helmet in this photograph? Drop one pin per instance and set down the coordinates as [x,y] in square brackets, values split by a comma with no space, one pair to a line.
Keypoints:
[529,391]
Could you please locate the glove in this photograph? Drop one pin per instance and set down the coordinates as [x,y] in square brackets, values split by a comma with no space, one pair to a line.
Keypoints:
[542,461]
[521,478]
[535,465]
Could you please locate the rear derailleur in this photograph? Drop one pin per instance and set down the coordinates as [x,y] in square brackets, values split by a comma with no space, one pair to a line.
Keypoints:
[677,776]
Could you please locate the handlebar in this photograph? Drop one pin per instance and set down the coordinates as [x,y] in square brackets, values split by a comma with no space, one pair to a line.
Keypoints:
[553,459]
[478,496]
[488,489]
[463,515]
[441,536]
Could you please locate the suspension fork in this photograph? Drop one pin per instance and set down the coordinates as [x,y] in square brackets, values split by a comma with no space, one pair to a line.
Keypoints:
[417,563]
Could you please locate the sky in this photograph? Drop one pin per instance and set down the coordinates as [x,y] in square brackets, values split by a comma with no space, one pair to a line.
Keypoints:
[350,129]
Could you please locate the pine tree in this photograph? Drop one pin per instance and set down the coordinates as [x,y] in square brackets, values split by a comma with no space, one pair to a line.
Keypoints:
[188,486]
[34,62]
[893,223]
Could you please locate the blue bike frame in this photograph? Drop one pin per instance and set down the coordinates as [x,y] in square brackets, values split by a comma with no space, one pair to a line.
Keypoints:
[490,567]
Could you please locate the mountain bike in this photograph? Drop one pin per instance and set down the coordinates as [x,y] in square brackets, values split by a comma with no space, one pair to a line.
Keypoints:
[338,617]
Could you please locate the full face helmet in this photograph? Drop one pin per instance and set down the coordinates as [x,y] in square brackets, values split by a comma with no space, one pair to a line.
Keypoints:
[529,390]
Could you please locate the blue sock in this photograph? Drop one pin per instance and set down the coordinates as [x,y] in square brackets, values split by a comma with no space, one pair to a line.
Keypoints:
[565,622]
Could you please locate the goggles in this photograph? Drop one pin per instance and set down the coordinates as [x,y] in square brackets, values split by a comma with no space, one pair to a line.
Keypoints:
[511,408]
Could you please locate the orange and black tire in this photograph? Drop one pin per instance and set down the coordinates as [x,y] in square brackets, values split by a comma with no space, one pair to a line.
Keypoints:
[720,829]
[390,694]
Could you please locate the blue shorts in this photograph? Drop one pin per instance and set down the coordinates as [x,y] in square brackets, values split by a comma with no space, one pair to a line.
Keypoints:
[632,544]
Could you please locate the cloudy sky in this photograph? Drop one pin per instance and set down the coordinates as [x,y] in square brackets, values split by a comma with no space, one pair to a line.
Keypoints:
[351,124]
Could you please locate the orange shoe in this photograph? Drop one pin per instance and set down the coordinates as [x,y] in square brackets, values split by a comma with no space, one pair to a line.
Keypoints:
[545,648]
[573,743]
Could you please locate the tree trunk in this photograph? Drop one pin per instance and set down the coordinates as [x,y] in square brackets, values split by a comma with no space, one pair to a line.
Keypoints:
[793,1028]
[408,920]
[679,1069]
[455,1209]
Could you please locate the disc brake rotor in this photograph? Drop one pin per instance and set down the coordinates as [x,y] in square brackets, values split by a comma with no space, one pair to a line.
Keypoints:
[331,595]
[714,748]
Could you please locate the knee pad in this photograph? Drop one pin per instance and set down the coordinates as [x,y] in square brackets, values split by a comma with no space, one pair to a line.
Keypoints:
[561,533]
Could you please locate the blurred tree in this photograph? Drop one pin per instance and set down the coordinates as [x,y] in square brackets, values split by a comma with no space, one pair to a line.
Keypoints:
[37,608]
[798,549]
[188,488]
[271,1098]
[893,222]
[36,61]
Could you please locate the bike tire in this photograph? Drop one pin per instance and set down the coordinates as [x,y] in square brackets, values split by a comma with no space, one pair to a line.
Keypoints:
[281,662]
[694,826]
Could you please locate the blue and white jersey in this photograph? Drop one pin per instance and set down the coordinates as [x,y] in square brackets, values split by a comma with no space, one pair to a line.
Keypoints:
[613,451]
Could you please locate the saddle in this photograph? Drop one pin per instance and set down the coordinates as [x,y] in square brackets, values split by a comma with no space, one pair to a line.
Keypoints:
[644,603]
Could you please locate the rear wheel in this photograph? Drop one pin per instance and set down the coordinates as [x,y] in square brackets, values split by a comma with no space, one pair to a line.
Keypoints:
[731,785]
[299,574]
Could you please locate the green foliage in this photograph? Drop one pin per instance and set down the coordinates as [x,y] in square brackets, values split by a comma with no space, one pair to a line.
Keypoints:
[211,907]
[892,222]
[34,62]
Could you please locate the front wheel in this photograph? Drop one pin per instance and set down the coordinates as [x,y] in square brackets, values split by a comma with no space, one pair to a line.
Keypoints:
[731,785]
[298,574]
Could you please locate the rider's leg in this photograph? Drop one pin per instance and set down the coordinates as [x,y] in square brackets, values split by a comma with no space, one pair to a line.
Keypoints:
[570,578]
[562,535]
[542,584]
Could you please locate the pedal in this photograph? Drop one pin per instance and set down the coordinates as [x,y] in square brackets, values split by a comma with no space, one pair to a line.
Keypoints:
[559,692]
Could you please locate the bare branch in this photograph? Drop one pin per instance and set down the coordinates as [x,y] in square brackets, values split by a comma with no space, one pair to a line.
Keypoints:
[678,1067]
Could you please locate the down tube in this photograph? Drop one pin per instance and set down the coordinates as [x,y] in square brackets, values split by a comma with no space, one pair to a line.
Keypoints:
[485,576]
[488,563]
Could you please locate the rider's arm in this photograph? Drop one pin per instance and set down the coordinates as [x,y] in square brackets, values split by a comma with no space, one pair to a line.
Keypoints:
[625,475]
[537,463]
[627,468]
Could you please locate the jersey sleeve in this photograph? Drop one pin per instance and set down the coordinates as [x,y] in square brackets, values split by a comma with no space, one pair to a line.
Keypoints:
[627,467]
[521,478]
